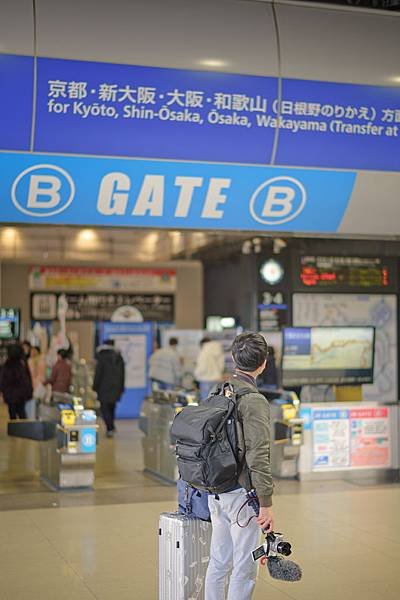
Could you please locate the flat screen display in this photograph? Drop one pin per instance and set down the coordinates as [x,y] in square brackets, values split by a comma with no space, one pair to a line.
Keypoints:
[328,355]
[9,323]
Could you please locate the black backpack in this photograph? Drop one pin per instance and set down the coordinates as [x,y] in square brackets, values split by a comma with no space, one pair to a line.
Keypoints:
[206,441]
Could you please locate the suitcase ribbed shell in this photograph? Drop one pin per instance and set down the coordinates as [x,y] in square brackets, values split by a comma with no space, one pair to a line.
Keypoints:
[184,552]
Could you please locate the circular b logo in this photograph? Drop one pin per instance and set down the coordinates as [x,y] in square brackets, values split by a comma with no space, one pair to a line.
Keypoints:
[278,200]
[89,439]
[43,191]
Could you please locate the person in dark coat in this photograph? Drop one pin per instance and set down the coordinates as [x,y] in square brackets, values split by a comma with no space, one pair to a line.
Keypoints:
[109,382]
[16,382]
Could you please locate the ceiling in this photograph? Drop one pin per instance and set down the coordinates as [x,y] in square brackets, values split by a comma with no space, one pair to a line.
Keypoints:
[72,245]
[378,4]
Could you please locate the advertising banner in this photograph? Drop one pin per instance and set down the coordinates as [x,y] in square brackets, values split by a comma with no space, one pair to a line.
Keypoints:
[101,279]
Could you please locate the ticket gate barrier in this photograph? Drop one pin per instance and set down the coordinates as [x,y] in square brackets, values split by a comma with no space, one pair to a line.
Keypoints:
[286,432]
[68,439]
[156,416]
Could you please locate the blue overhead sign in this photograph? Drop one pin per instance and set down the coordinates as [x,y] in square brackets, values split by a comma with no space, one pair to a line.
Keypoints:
[339,125]
[38,188]
[122,110]
[83,107]
[16,101]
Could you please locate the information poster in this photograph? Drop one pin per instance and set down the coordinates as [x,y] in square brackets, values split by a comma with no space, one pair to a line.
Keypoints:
[370,437]
[331,441]
[134,341]
[133,350]
[350,438]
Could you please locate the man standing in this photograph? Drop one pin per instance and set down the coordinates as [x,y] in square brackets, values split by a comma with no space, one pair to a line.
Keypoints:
[232,541]
[165,367]
[109,382]
[210,365]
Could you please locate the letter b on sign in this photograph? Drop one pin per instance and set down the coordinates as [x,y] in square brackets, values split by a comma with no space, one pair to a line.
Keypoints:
[42,191]
[277,201]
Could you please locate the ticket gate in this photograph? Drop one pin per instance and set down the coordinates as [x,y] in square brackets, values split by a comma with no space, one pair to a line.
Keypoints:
[156,416]
[68,438]
[286,432]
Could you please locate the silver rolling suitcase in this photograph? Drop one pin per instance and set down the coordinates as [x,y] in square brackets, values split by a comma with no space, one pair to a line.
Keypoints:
[184,552]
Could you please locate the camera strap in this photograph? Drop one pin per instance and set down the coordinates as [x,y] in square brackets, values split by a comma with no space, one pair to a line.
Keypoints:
[251,500]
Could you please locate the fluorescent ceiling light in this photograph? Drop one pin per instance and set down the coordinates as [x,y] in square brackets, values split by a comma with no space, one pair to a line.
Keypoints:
[213,63]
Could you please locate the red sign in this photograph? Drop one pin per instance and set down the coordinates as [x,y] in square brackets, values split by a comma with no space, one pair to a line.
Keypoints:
[370,437]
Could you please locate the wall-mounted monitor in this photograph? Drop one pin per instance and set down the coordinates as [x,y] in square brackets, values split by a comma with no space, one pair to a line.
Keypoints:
[9,323]
[328,355]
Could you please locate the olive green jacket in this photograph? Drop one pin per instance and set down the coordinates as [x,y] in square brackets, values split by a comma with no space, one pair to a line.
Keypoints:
[254,439]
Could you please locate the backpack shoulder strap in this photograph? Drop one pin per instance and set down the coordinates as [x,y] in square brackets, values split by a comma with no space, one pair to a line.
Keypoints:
[245,391]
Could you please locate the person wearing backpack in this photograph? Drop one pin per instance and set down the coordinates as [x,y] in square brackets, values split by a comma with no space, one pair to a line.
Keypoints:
[223,447]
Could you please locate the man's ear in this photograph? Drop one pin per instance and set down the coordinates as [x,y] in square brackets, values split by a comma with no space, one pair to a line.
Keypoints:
[263,366]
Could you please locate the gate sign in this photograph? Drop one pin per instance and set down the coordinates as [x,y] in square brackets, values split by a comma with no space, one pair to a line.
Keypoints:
[182,195]
[196,149]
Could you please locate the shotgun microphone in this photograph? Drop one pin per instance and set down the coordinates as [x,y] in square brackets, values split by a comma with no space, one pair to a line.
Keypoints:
[283,569]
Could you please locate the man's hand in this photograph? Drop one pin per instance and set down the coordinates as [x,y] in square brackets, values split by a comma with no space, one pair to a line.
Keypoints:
[265,518]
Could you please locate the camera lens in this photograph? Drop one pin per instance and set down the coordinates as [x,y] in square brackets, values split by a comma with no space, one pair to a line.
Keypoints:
[284,548]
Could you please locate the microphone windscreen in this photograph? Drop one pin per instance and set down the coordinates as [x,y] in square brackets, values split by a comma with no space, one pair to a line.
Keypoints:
[283,569]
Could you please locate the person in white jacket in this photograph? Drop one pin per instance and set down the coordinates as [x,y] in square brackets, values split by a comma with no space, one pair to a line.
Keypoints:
[210,365]
[165,367]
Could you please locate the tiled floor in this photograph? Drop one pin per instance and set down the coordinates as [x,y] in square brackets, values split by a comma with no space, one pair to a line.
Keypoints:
[104,544]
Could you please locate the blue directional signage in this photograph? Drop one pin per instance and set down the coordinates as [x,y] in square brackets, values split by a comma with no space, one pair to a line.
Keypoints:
[16,101]
[122,110]
[127,145]
[339,125]
[38,188]
[93,108]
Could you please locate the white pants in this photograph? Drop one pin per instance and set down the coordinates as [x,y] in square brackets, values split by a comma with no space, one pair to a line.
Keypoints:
[231,548]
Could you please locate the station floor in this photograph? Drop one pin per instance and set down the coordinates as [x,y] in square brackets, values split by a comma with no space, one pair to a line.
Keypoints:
[103,544]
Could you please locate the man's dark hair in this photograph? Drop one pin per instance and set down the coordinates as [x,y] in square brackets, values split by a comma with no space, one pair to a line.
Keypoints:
[110,342]
[205,340]
[63,353]
[249,351]
[173,341]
